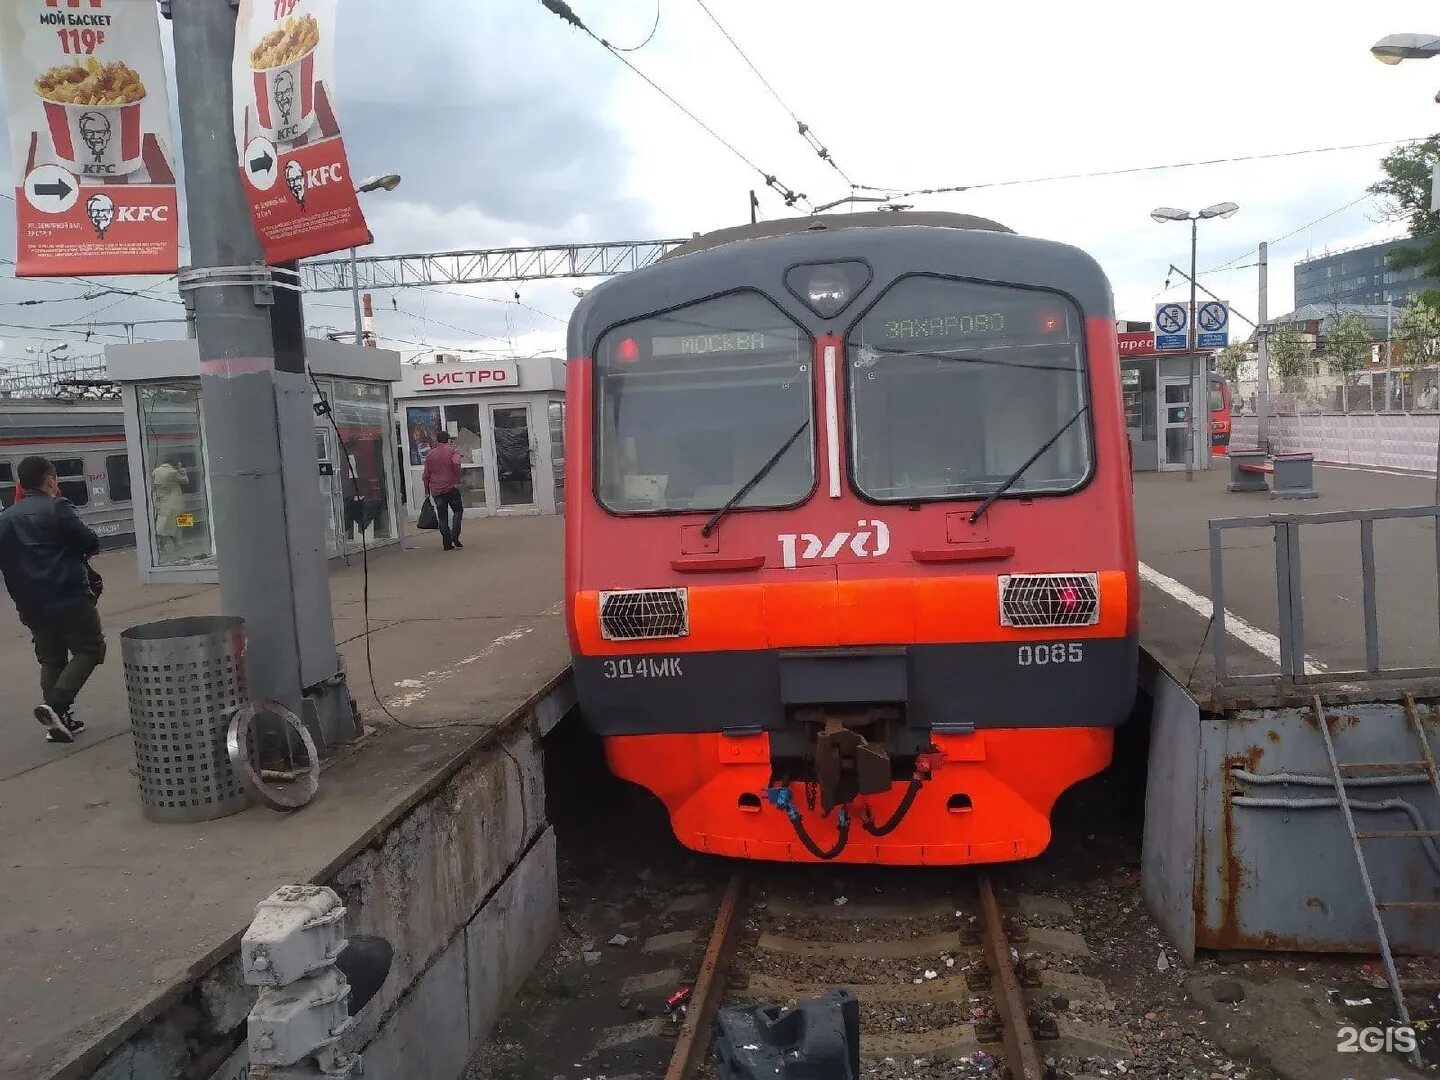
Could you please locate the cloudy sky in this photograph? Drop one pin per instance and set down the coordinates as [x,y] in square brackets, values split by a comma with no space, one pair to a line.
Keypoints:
[512,128]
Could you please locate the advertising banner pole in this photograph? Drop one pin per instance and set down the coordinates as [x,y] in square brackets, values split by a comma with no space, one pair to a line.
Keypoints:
[256,401]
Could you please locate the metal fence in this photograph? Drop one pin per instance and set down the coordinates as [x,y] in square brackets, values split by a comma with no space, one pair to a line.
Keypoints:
[1290,595]
[1398,390]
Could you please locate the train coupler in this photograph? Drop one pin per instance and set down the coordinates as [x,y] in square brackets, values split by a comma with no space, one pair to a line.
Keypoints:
[847,764]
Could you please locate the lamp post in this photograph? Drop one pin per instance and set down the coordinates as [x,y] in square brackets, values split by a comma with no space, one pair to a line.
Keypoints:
[384,182]
[1162,214]
[1392,49]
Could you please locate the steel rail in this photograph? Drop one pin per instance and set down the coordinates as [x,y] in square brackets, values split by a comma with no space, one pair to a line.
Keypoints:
[694,1040]
[1021,1055]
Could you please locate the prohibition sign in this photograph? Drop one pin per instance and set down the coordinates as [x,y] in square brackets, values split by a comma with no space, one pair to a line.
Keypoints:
[1212,317]
[1170,319]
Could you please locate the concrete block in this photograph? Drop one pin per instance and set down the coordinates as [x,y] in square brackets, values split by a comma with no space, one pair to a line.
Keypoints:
[510,934]
[556,706]
[155,1052]
[437,865]
[225,998]
[428,1035]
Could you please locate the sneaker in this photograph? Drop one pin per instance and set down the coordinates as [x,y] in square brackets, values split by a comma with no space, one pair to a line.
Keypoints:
[67,717]
[57,731]
[458,544]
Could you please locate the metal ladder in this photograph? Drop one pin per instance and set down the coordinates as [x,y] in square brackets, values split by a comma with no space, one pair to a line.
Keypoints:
[1398,986]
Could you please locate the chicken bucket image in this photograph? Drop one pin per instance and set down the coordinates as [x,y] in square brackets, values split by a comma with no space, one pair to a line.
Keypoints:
[283,64]
[93,113]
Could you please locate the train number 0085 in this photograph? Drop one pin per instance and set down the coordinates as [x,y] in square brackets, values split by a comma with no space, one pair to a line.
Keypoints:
[1060,652]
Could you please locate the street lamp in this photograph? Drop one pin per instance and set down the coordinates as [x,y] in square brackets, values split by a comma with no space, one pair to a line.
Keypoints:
[383,182]
[1394,48]
[1163,214]
[1199,388]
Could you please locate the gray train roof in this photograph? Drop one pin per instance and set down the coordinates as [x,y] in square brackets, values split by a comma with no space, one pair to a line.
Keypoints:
[896,244]
[868,219]
[32,418]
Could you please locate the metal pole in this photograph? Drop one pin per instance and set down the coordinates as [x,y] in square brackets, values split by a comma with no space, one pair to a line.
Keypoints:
[754,206]
[1199,384]
[1262,391]
[255,400]
[355,296]
[1389,324]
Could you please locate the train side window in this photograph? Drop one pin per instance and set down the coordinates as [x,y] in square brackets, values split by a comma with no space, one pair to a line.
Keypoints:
[71,474]
[7,484]
[117,475]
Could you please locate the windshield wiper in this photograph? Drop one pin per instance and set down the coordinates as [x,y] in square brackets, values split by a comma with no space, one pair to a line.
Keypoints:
[1010,480]
[760,474]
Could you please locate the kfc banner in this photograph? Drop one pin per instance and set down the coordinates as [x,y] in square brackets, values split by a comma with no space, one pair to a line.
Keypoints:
[291,155]
[88,111]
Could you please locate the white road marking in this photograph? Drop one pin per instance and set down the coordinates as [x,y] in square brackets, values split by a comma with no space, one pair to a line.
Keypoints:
[426,683]
[1379,469]
[1262,641]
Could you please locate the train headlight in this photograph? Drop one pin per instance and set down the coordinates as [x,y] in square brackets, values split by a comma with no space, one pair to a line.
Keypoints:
[641,614]
[1049,600]
[827,288]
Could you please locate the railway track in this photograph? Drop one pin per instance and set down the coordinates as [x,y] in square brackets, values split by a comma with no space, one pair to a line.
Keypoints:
[942,975]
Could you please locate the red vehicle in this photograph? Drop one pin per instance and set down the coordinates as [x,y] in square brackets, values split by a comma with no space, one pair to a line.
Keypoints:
[1219,415]
[850,557]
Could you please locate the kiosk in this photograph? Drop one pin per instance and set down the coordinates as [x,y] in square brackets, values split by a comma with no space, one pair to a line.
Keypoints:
[507,419]
[165,440]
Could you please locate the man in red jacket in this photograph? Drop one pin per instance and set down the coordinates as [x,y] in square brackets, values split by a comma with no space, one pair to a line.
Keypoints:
[441,477]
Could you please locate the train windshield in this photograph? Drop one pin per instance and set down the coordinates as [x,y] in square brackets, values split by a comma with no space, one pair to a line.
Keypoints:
[691,404]
[953,385]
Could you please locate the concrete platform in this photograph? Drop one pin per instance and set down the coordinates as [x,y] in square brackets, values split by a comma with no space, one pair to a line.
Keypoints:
[107,920]
[1171,522]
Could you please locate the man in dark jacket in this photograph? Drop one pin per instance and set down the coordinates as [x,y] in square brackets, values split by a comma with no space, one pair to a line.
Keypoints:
[43,551]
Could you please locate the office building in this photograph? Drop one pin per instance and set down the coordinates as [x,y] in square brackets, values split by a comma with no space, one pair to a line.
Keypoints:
[1358,276]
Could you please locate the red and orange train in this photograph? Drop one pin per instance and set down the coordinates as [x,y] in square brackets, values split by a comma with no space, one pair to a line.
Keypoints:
[850,562]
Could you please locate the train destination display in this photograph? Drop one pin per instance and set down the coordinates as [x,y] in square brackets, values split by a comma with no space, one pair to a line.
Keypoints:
[737,341]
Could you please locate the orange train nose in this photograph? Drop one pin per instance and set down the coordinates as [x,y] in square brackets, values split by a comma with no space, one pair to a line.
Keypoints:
[988,799]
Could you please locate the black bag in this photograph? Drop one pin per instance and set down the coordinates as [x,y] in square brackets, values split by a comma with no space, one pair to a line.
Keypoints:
[428,517]
[95,581]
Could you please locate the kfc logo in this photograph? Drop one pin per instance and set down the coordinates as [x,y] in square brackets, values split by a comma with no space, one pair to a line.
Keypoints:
[101,209]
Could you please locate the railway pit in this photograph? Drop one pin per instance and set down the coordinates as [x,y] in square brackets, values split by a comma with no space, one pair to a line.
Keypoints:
[637,913]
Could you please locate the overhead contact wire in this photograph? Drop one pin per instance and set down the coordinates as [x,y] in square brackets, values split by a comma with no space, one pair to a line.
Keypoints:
[806,132]
[789,195]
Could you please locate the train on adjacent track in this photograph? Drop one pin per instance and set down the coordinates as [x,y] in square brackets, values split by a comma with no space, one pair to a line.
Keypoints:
[86,443]
[850,550]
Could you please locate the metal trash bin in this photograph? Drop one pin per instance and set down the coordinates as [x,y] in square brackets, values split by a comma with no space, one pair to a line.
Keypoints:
[185,678]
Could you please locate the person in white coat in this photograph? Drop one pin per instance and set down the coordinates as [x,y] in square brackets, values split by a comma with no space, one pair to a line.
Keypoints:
[168,486]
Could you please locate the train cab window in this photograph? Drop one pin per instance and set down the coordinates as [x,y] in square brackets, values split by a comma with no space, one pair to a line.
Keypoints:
[117,477]
[7,484]
[953,385]
[691,404]
[70,472]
